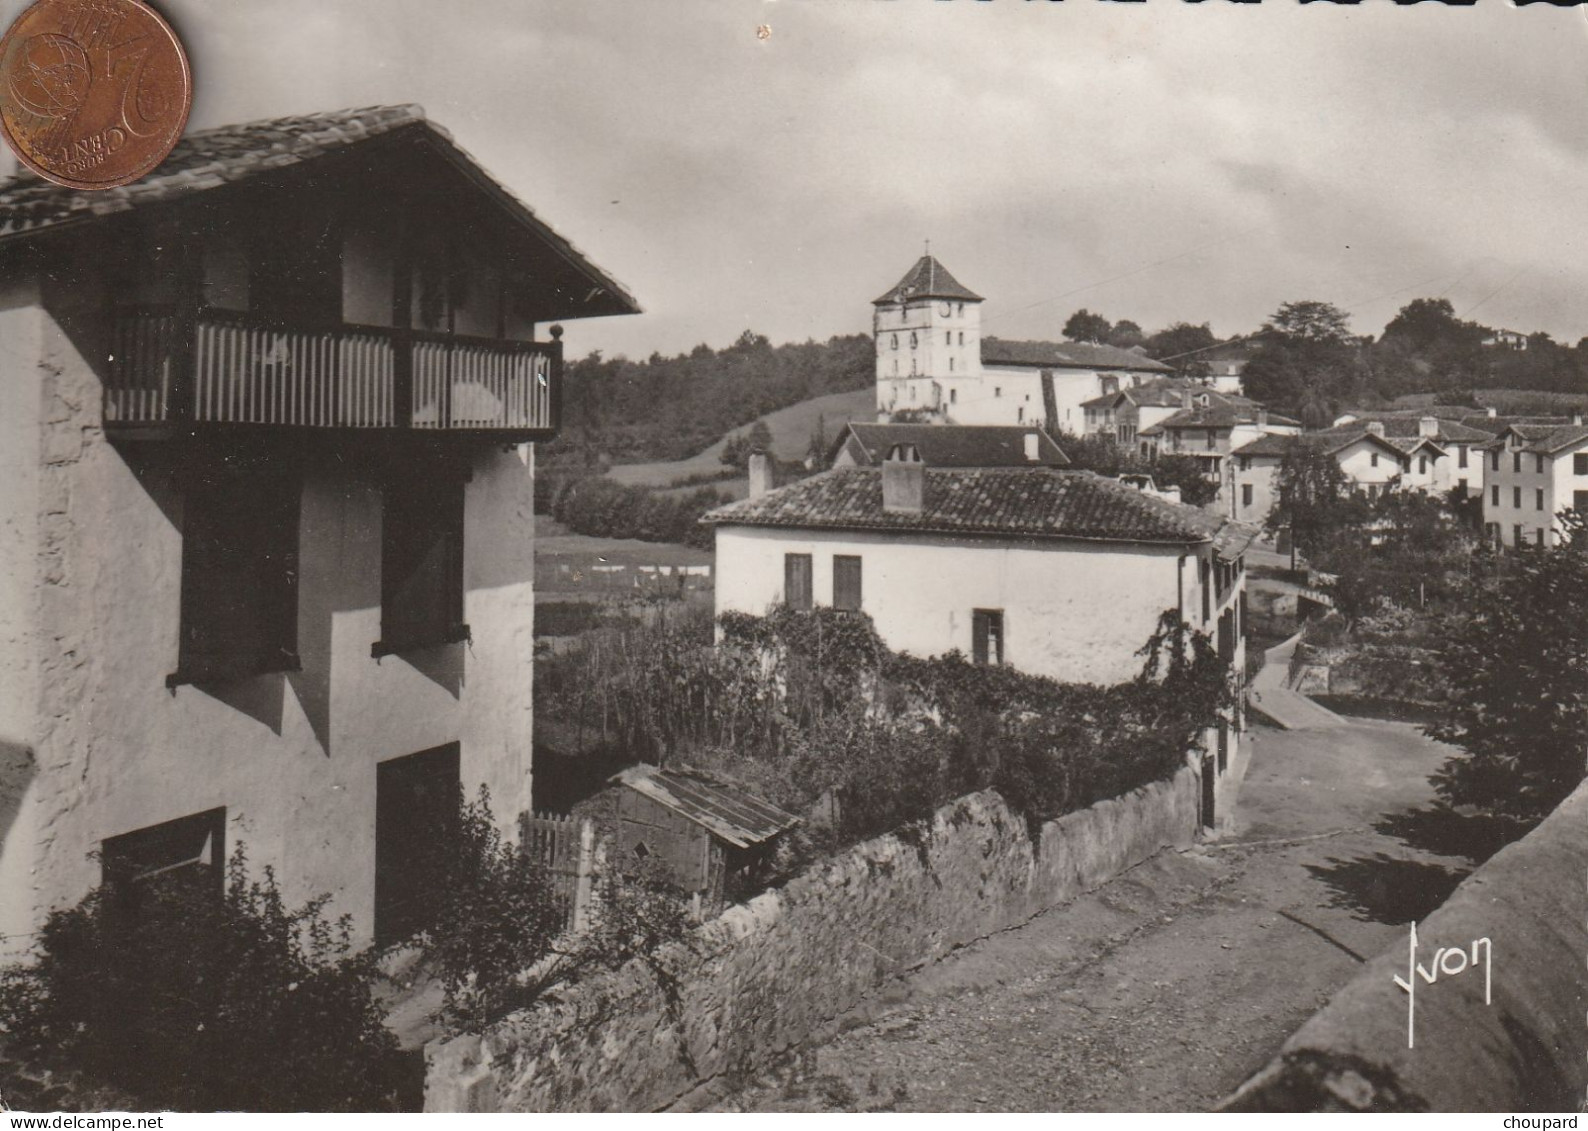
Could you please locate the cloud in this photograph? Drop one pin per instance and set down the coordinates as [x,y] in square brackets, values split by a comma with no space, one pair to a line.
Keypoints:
[1158,161]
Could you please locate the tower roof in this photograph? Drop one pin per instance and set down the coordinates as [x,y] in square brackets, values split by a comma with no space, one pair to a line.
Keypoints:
[927,279]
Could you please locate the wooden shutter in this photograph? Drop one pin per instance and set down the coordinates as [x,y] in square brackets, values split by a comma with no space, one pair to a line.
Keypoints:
[987,636]
[797,580]
[846,582]
[422,561]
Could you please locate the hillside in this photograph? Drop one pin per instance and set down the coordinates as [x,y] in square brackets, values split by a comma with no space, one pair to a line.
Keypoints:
[791,429]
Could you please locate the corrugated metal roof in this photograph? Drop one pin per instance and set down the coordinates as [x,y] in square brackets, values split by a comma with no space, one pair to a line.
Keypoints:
[724,810]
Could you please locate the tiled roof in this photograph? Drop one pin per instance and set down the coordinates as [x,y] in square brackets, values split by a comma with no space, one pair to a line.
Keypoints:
[958,445]
[1269,444]
[1399,425]
[927,279]
[1009,502]
[1559,438]
[1494,425]
[203,159]
[1221,412]
[1169,392]
[723,809]
[208,159]
[1065,355]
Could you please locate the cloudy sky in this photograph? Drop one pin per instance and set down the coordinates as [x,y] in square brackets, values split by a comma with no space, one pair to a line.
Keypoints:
[1157,161]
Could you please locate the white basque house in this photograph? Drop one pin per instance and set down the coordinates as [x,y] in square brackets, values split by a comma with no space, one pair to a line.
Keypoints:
[934,363]
[1060,574]
[1371,462]
[1534,473]
[266,545]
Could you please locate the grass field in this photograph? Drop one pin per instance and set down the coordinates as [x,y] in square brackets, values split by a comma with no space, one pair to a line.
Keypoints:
[791,435]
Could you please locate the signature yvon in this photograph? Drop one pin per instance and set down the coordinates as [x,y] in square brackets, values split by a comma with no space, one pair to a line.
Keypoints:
[1449,961]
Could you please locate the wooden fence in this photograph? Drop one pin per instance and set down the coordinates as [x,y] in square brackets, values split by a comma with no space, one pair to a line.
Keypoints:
[565,846]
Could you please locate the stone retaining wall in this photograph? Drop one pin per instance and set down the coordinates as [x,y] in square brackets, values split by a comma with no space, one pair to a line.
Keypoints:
[1522,1052]
[774,974]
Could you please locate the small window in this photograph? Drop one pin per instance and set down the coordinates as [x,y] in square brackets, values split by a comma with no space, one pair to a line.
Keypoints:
[987,636]
[962,332]
[183,857]
[961,308]
[948,337]
[1538,499]
[1494,459]
[1246,494]
[895,341]
[1542,537]
[239,579]
[846,582]
[913,341]
[1579,502]
[1373,459]
[1213,439]
[1461,456]
[951,365]
[1579,463]
[797,581]
[422,561]
[953,394]
[1538,466]
[1516,536]
[1422,465]
[1516,497]
[1494,494]
[1516,462]
[1020,415]
[998,390]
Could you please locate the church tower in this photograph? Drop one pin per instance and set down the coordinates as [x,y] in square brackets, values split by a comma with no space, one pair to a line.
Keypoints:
[928,334]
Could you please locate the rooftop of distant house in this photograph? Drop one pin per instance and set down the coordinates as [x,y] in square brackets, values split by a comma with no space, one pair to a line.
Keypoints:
[954,445]
[1543,439]
[1168,392]
[1400,425]
[1219,410]
[1066,355]
[1025,503]
[1337,439]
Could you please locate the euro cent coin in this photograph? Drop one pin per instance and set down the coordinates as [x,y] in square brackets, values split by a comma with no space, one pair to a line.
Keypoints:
[93,93]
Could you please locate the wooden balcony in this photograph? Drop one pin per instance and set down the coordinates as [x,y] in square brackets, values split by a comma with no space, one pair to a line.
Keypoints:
[226,368]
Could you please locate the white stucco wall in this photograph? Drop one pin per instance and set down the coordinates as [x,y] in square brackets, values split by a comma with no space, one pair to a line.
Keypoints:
[292,758]
[1558,481]
[1074,611]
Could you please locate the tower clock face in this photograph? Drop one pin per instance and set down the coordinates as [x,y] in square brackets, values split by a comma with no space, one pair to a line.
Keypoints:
[948,308]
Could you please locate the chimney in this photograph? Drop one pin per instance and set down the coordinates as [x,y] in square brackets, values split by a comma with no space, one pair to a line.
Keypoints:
[1576,417]
[760,474]
[903,481]
[1034,449]
[1185,400]
[1375,427]
[1428,426]
[1262,418]
[1491,411]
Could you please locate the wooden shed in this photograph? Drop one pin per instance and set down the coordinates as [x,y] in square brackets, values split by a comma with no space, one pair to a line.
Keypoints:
[709,835]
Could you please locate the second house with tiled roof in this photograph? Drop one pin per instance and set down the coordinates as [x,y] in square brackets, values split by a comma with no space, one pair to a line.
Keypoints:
[933,363]
[1534,473]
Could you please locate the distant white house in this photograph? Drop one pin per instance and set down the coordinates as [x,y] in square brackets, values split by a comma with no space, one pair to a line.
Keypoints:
[1062,574]
[1533,474]
[1461,443]
[934,363]
[1371,461]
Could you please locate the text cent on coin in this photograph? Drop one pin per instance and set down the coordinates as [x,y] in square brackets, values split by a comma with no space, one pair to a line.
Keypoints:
[93,93]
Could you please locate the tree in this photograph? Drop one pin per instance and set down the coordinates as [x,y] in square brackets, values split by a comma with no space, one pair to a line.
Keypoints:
[1515,667]
[1413,551]
[760,439]
[1310,323]
[1126,335]
[1314,500]
[1084,326]
[1182,346]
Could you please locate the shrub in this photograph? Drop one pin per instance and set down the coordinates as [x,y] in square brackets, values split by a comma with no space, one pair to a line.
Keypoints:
[496,918]
[203,1004]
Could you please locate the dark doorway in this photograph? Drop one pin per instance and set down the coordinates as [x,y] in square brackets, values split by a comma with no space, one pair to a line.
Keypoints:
[1210,778]
[416,804]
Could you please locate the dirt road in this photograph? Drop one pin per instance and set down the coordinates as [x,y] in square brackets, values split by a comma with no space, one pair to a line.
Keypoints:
[1166,988]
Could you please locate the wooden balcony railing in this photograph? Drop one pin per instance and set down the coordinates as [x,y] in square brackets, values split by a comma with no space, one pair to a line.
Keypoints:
[229,368]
